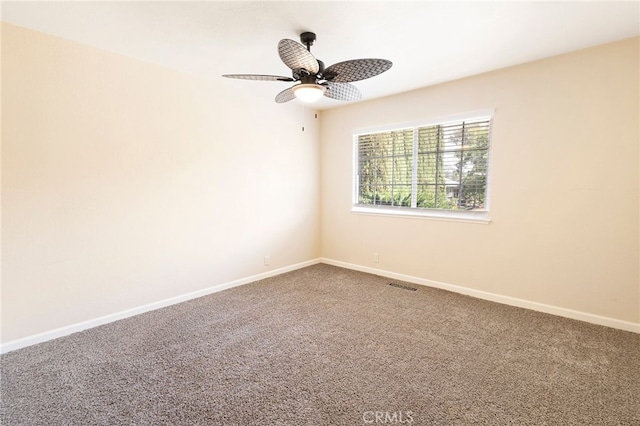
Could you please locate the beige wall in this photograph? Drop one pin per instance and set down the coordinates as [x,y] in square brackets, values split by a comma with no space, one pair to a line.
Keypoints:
[563,186]
[124,183]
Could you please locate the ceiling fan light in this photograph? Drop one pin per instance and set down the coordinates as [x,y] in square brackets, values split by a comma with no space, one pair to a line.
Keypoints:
[309,92]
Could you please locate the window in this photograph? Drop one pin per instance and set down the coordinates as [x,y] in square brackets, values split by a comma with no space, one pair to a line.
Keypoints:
[438,169]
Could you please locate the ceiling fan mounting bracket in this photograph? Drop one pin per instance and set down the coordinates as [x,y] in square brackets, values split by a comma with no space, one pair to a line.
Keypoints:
[307,38]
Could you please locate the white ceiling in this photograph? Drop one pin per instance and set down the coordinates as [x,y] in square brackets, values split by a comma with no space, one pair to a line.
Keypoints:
[428,42]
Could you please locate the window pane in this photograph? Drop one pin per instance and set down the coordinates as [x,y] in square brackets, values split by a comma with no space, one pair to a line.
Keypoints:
[402,142]
[452,137]
[427,196]
[432,170]
[427,168]
[385,168]
[428,139]
[474,180]
[476,135]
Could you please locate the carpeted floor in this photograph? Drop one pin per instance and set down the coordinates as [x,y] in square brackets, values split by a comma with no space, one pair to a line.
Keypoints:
[329,346]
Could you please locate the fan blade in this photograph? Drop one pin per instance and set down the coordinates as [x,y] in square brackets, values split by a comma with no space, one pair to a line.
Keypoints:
[342,91]
[356,69]
[295,56]
[285,96]
[259,77]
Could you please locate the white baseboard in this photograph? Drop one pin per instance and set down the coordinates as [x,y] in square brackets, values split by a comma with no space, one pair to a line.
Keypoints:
[507,300]
[74,328]
[521,303]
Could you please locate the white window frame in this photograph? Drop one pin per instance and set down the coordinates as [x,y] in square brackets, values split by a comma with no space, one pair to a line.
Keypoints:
[423,213]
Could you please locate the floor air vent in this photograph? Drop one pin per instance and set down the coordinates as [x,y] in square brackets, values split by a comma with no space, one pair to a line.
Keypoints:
[404,287]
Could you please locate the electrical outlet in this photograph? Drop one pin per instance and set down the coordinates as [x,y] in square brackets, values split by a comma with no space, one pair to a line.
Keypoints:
[266,261]
[376,257]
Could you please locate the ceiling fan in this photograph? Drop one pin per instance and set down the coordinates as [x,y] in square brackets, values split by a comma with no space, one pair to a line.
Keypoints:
[316,80]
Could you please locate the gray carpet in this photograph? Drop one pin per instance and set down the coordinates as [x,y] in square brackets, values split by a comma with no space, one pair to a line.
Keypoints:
[322,346]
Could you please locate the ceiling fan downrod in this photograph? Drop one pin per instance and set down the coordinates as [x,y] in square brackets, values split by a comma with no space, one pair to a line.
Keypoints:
[307,38]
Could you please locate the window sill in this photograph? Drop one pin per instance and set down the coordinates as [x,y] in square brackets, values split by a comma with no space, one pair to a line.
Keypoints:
[446,215]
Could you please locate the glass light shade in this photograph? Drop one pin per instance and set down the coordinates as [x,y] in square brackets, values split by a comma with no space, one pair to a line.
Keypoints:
[309,92]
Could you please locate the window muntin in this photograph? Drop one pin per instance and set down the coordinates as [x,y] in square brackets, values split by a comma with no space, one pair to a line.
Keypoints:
[440,167]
